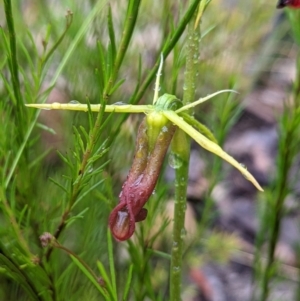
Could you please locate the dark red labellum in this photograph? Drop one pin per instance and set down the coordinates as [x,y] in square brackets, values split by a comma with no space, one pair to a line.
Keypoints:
[140,182]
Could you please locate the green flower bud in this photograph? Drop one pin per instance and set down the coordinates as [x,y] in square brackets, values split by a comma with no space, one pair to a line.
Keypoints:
[155,123]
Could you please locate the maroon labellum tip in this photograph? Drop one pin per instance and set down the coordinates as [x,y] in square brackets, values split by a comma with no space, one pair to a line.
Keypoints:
[121,226]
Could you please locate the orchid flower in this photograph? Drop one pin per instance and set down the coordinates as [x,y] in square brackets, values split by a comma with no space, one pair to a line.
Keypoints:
[155,133]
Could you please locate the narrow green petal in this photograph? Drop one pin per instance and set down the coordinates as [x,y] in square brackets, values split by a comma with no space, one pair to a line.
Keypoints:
[118,108]
[201,100]
[210,146]
[157,88]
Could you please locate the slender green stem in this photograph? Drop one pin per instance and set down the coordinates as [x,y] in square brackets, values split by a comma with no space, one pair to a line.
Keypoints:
[131,17]
[286,156]
[181,150]
[66,57]
[192,61]
[166,49]
[14,67]
[74,43]
[288,149]
[69,19]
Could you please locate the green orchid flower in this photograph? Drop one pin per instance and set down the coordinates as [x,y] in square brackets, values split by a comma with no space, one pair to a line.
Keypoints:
[164,108]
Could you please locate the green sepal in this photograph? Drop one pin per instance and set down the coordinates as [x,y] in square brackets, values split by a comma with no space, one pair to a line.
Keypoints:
[199,126]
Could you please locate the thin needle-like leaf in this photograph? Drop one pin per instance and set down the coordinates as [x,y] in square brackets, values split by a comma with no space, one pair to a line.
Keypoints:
[111,261]
[128,283]
[90,276]
[156,89]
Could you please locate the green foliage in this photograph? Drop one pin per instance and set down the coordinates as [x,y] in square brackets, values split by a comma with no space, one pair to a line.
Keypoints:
[272,211]
[62,199]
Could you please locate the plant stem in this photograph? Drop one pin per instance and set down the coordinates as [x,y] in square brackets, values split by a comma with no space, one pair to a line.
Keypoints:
[131,17]
[287,152]
[288,149]
[132,13]
[181,150]
[275,228]
[181,180]
[166,49]
[14,68]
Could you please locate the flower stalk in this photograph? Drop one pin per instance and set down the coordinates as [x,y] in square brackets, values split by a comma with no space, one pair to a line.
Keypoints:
[181,153]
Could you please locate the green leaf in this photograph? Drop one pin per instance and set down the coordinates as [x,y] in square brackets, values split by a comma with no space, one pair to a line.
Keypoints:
[96,157]
[107,280]
[9,89]
[17,275]
[109,62]
[87,192]
[79,140]
[75,41]
[39,158]
[111,34]
[104,73]
[91,277]
[80,215]
[58,185]
[160,254]
[106,121]
[84,132]
[69,18]
[33,45]
[22,213]
[65,159]
[117,85]
[45,128]
[6,165]
[28,57]
[111,260]
[128,283]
